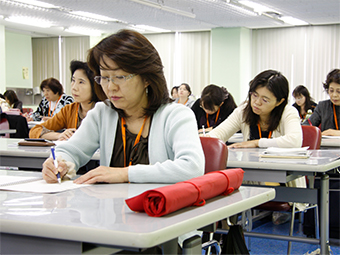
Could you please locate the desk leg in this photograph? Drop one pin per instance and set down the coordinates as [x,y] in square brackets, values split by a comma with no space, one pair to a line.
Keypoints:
[324,214]
[170,247]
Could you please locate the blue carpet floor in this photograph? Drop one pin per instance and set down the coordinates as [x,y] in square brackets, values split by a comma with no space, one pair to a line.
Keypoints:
[261,246]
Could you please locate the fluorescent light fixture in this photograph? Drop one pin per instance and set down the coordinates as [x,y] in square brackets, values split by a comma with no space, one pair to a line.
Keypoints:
[258,8]
[292,21]
[241,9]
[37,3]
[165,8]
[93,16]
[29,21]
[83,31]
[150,28]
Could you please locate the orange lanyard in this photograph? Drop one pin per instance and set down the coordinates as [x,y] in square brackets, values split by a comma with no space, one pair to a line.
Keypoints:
[260,134]
[218,112]
[76,120]
[184,102]
[49,107]
[335,119]
[124,138]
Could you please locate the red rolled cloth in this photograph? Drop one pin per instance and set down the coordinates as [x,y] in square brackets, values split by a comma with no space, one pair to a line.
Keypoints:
[167,199]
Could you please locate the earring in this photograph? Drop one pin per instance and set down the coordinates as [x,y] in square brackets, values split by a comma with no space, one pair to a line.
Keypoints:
[146,90]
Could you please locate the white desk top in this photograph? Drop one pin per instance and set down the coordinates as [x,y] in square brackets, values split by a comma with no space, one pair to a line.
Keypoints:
[98,214]
[330,142]
[320,161]
[8,131]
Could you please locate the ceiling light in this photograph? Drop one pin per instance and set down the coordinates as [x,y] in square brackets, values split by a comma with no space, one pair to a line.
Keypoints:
[242,9]
[150,28]
[93,15]
[292,21]
[29,21]
[258,8]
[165,8]
[83,31]
[37,3]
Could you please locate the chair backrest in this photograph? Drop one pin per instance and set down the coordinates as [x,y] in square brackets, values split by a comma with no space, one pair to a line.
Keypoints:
[311,137]
[4,125]
[215,152]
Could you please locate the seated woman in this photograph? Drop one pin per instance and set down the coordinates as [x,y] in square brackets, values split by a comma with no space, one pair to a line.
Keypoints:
[327,113]
[85,92]
[303,101]
[184,92]
[140,134]
[54,99]
[214,106]
[174,92]
[12,100]
[3,104]
[265,119]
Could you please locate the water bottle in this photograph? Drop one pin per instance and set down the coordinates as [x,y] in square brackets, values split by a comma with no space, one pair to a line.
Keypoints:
[309,113]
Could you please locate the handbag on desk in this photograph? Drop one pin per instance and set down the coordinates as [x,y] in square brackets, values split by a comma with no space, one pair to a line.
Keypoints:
[34,143]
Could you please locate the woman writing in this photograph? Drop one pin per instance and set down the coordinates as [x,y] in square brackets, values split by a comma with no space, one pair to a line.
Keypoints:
[327,113]
[214,106]
[12,100]
[140,134]
[184,92]
[265,119]
[54,99]
[303,101]
[70,117]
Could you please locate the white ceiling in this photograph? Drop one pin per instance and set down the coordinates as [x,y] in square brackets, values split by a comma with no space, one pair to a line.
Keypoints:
[208,14]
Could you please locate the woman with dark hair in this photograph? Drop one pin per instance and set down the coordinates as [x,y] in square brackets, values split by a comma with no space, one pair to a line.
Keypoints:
[12,100]
[184,91]
[214,106]
[54,99]
[303,101]
[327,113]
[85,92]
[138,130]
[265,119]
[174,92]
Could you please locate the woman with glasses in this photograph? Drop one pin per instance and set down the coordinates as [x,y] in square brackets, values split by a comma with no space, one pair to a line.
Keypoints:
[85,93]
[54,99]
[265,119]
[138,130]
[327,112]
[184,92]
[214,106]
[303,101]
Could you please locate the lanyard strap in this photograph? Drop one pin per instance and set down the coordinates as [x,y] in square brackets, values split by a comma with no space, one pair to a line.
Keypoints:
[77,113]
[335,119]
[218,112]
[260,133]
[184,102]
[124,137]
[49,107]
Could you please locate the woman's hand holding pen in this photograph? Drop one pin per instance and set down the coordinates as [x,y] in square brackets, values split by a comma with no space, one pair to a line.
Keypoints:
[49,171]
[104,174]
[66,134]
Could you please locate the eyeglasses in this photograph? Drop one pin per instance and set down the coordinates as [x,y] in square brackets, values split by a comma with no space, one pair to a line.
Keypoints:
[118,80]
[331,91]
[254,96]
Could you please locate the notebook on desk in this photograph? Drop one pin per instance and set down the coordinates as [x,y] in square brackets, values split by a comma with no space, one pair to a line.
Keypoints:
[35,184]
[290,153]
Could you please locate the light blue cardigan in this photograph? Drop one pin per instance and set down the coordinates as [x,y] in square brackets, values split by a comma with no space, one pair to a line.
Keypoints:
[175,151]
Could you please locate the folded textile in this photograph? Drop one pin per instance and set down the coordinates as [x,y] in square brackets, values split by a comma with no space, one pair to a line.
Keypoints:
[167,199]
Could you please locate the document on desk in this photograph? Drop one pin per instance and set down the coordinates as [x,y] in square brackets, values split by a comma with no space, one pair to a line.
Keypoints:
[290,153]
[330,137]
[35,184]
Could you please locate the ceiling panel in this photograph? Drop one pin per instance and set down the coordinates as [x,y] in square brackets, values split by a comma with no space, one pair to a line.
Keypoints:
[208,14]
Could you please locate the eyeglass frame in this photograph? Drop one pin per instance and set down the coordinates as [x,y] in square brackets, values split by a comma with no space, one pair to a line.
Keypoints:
[256,96]
[108,79]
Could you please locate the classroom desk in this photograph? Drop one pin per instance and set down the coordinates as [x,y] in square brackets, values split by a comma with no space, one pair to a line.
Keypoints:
[28,157]
[284,170]
[7,131]
[59,223]
[332,143]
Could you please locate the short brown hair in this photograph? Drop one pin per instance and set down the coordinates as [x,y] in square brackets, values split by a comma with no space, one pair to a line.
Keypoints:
[53,84]
[133,53]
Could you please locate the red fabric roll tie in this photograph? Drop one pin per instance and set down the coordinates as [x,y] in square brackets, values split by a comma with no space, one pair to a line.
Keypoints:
[167,199]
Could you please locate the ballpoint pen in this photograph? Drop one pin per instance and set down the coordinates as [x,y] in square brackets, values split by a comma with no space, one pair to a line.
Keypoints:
[55,164]
[203,130]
